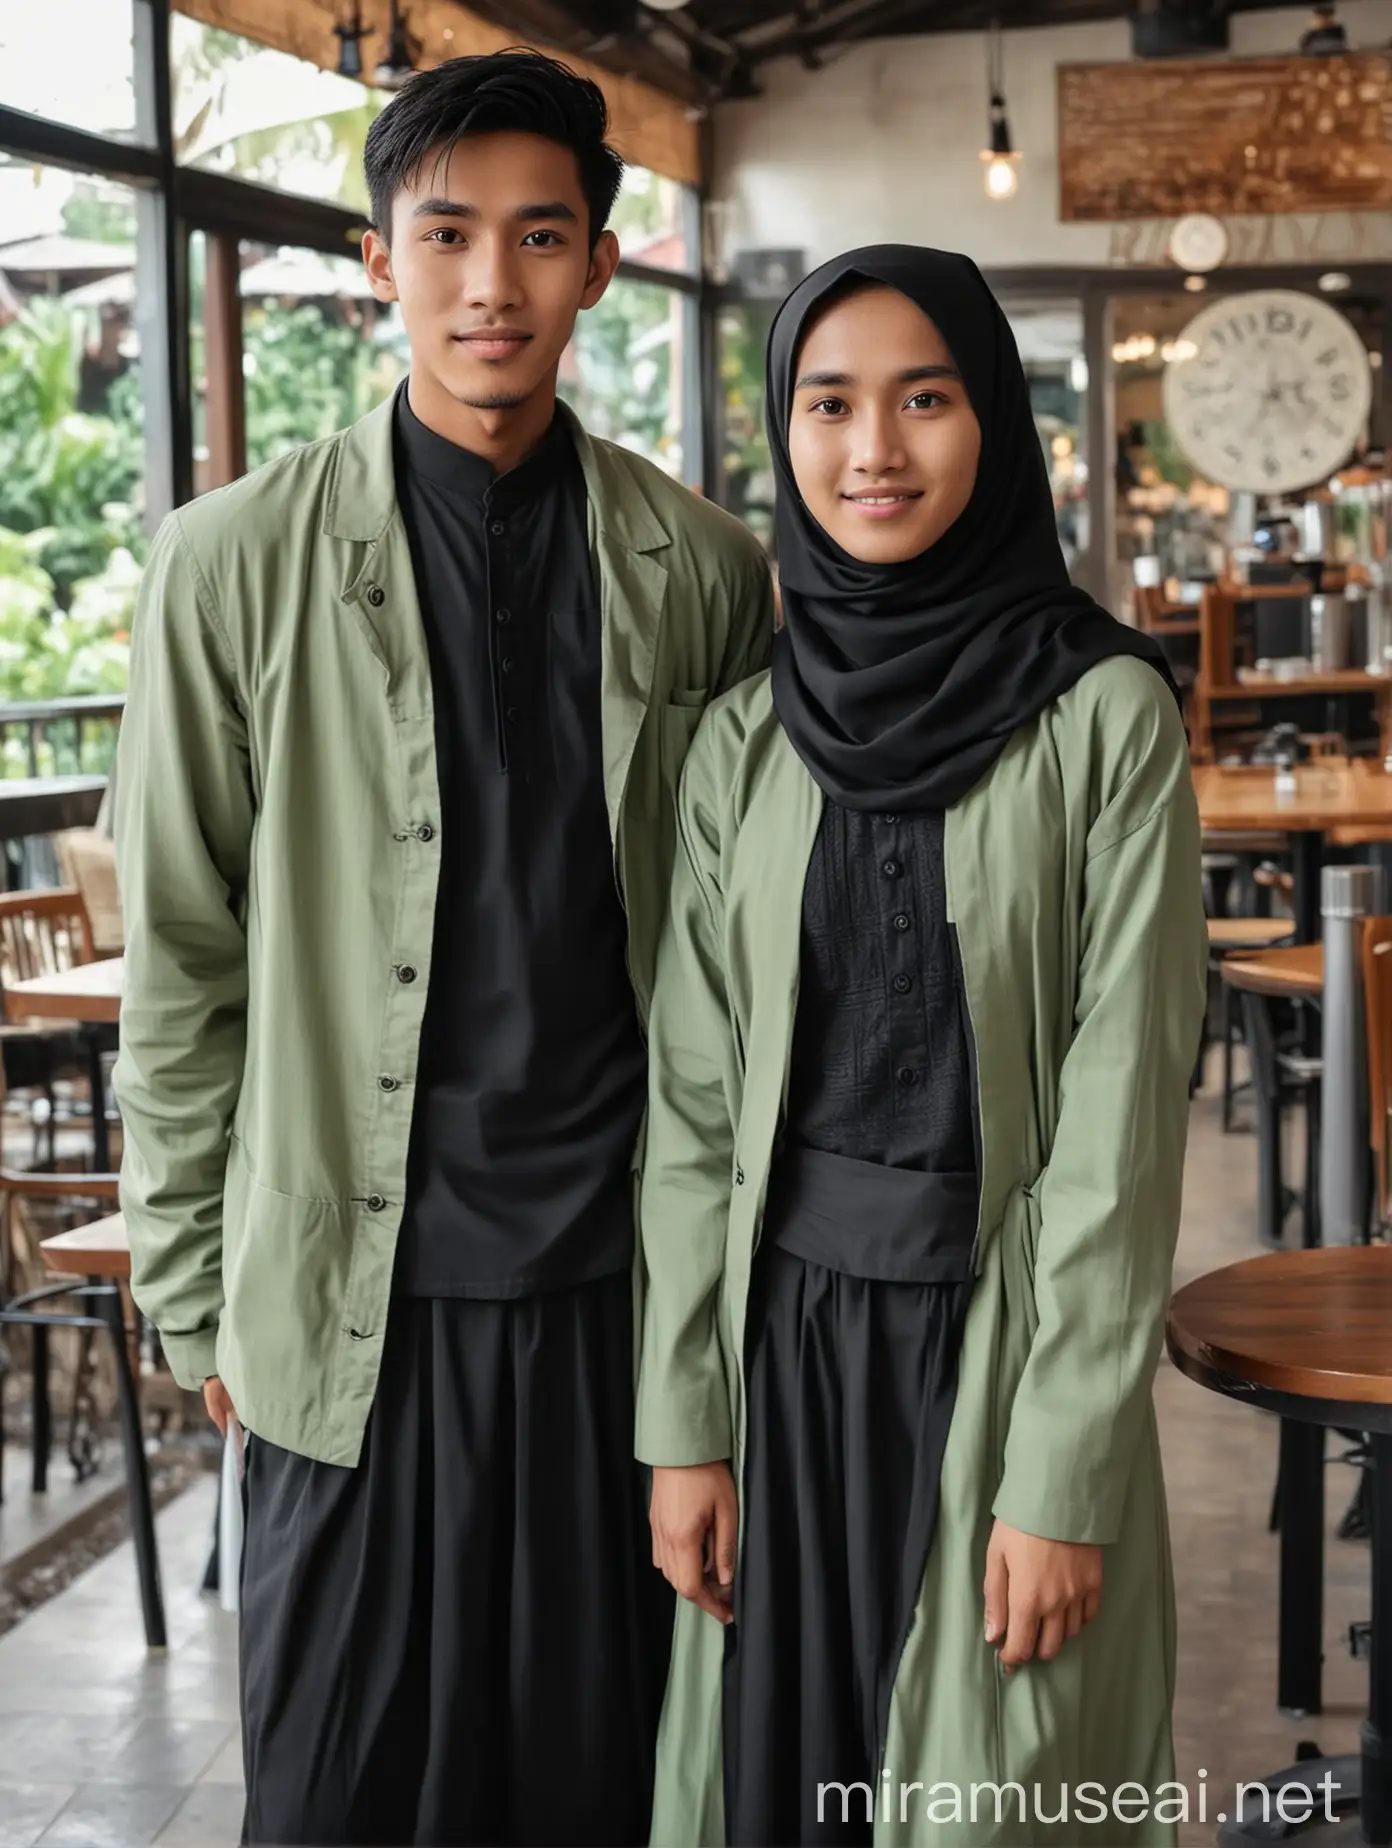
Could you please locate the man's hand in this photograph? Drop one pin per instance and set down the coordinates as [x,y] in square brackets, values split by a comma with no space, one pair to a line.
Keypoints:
[1037,1593]
[219,1403]
[695,1519]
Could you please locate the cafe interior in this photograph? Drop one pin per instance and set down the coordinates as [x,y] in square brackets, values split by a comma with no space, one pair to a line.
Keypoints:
[1185,207]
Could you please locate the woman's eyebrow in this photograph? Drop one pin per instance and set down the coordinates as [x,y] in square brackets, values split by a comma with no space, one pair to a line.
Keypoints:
[910,376]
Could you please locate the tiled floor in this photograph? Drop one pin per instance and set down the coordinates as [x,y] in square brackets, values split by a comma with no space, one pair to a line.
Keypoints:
[104,1746]
[26,1520]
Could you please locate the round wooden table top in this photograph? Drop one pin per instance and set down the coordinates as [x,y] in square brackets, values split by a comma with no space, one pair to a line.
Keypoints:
[1248,933]
[1244,798]
[1291,969]
[101,1249]
[1312,1325]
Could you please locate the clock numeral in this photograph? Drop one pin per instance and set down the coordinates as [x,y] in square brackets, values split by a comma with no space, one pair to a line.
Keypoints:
[1328,423]
[1339,388]
[1232,451]
[1279,320]
[1328,357]
[1306,453]
[1305,327]
[1271,468]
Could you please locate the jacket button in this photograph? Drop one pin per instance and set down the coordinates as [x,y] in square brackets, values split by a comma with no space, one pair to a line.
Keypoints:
[376,596]
[891,869]
[374,1203]
[405,973]
[496,529]
[902,984]
[907,1075]
[425,832]
[901,920]
[387,1083]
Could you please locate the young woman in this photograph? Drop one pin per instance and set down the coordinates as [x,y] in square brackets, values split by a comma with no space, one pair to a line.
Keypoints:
[920,1052]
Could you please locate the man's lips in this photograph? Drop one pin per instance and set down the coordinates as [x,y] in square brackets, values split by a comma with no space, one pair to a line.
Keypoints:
[493,342]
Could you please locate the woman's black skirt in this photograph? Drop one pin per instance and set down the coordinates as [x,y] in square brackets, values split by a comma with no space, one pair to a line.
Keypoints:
[856,1307]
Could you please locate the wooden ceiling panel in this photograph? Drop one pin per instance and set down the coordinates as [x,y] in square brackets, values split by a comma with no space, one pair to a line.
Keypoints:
[650,128]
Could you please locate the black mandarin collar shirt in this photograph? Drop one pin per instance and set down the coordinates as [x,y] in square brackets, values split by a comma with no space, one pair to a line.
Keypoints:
[532,1073]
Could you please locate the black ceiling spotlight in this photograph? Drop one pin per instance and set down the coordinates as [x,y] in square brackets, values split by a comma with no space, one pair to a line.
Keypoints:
[350,39]
[1325,36]
[399,60]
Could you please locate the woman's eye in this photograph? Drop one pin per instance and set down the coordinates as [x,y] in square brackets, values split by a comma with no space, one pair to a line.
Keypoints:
[828,407]
[925,401]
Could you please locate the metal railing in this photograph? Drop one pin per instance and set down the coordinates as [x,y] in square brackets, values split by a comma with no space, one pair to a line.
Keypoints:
[59,737]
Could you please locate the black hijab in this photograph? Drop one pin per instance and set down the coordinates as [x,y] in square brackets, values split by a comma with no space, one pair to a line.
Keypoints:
[900,685]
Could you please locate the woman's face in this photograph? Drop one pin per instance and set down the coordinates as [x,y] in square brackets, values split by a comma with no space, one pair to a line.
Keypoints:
[883,441]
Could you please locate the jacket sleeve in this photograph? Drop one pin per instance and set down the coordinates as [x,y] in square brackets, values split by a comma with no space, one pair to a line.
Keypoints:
[183,832]
[750,640]
[1109,1199]
[683,1409]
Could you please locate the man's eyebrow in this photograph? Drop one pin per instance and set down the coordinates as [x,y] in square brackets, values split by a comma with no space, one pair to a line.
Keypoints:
[910,376]
[554,208]
[443,208]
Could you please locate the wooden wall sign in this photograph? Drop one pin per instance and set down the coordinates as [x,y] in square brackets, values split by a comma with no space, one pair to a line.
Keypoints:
[1226,136]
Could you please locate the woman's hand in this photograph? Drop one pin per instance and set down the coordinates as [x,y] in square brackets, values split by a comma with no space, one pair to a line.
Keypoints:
[695,1520]
[1037,1593]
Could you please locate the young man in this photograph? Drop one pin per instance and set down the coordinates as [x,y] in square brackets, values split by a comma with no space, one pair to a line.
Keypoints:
[397,776]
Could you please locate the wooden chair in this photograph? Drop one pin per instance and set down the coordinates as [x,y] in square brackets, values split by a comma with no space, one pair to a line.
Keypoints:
[1377,1002]
[87,863]
[48,933]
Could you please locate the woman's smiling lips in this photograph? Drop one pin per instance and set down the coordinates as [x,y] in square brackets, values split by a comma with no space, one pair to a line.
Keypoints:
[886,504]
[493,342]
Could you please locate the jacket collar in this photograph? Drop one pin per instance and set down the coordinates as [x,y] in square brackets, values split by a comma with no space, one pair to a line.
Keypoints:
[362,492]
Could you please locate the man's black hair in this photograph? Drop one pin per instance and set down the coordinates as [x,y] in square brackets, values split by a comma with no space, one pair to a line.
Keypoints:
[502,92]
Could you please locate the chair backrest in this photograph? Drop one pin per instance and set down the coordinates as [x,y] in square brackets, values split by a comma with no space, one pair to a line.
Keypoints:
[42,933]
[1377,1008]
[87,863]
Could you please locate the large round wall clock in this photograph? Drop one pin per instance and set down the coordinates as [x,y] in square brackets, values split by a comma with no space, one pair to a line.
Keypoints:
[1268,391]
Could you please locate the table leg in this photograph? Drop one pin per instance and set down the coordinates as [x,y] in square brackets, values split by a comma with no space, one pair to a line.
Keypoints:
[1307,854]
[1375,1803]
[96,1078]
[1298,1687]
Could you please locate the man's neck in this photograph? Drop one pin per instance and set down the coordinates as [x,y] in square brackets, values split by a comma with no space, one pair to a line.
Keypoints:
[503,437]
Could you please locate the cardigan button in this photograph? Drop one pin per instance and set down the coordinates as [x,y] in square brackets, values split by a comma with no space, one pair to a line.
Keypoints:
[387,1083]
[374,1203]
[406,973]
[425,832]
[376,596]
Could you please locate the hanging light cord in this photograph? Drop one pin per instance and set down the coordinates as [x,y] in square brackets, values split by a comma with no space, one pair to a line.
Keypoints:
[995,64]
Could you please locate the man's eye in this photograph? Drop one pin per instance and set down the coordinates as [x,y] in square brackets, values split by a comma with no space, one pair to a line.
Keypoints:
[547,239]
[444,234]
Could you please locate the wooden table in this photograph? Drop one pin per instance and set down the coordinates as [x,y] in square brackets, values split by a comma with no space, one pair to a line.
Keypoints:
[1245,800]
[100,1249]
[91,992]
[1290,972]
[1308,1335]
[48,804]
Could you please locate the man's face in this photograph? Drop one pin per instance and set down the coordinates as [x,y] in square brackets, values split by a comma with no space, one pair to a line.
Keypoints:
[490,259]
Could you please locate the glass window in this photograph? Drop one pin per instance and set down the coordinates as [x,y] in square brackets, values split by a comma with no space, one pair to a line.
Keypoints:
[624,372]
[244,109]
[318,349]
[72,61]
[745,471]
[1049,335]
[71,446]
[656,222]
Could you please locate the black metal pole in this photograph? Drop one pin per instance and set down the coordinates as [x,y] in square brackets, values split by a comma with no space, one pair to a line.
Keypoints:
[1298,1687]
[137,1477]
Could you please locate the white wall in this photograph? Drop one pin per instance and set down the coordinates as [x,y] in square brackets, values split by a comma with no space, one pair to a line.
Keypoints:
[883,145]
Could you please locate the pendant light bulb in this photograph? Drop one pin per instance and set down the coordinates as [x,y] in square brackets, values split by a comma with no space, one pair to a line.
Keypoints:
[1002,179]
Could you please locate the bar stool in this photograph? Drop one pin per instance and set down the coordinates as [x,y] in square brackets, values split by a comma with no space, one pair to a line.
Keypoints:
[1308,1335]
[1281,1075]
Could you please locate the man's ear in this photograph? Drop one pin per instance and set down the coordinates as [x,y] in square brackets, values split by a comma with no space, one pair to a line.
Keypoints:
[604,260]
[377,262]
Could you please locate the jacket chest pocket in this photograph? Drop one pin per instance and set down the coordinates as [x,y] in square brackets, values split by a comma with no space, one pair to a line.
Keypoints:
[677,722]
